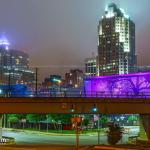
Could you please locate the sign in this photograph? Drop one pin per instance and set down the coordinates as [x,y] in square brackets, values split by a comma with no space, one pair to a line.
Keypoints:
[23,120]
[76,120]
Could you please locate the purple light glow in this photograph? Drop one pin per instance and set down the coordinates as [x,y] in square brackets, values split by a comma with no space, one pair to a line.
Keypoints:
[119,85]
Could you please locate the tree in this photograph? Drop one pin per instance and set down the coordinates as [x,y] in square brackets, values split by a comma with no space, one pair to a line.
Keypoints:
[36,118]
[85,122]
[66,119]
[132,119]
[12,118]
[63,118]
[114,134]
[104,119]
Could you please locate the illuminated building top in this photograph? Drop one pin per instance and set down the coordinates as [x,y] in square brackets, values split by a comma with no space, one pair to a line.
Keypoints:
[4,43]
[112,10]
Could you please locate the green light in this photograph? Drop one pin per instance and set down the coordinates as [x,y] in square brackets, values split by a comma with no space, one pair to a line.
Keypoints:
[72,108]
[95,109]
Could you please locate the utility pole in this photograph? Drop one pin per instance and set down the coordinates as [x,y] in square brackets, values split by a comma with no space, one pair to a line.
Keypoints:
[47,122]
[1,116]
[77,137]
[36,81]
[98,130]
[76,124]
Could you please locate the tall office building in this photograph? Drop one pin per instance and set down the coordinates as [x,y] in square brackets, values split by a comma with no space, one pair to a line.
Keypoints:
[14,65]
[116,43]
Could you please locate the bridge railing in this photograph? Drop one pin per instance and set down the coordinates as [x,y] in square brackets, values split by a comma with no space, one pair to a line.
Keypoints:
[73,94]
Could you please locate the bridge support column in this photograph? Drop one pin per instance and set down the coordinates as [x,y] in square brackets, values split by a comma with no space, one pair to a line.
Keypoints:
[145,127]
[1,125]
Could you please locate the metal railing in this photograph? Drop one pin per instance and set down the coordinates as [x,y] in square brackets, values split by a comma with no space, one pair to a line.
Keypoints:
[73,94]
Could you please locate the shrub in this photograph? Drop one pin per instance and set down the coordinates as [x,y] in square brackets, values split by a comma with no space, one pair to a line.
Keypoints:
[114,134]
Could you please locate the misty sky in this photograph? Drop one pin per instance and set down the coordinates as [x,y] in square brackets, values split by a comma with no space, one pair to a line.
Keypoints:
[64,32]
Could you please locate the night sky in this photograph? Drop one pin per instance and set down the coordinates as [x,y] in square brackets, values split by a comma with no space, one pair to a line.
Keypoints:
[64,32]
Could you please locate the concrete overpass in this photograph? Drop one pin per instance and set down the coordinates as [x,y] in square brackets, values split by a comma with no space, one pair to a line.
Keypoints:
[63,105]
[80,105]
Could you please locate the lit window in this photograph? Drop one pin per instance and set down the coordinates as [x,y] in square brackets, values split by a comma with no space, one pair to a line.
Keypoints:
[17,61]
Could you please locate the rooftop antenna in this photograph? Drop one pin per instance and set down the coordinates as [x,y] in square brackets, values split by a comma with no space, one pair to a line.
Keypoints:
[93,54]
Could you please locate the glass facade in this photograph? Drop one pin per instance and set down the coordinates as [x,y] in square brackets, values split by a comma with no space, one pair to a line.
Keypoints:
[91,66]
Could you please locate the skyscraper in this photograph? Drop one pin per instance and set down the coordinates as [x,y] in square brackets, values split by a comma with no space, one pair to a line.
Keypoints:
[116,43]
[14,65]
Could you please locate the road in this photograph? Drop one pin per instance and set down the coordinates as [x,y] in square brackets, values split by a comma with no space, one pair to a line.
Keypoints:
[42,138]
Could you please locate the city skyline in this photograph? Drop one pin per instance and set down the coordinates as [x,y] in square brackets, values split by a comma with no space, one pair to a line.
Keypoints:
[59,30]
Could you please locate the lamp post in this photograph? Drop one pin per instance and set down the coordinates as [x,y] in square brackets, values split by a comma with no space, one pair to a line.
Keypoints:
[95,110]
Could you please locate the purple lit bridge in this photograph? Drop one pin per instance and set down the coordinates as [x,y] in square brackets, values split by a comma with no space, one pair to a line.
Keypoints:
[122,94]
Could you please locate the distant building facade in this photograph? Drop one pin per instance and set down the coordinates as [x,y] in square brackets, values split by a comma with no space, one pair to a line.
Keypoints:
[143,69]
[116,43]
[91,66]
[74,78]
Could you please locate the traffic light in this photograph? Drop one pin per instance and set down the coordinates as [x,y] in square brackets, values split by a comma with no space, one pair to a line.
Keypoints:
[94,109]
[72,109]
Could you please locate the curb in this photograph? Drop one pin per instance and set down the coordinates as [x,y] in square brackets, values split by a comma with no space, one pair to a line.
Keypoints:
[45,133]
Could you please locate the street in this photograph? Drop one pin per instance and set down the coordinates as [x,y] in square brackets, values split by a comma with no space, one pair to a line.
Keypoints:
[29,138]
